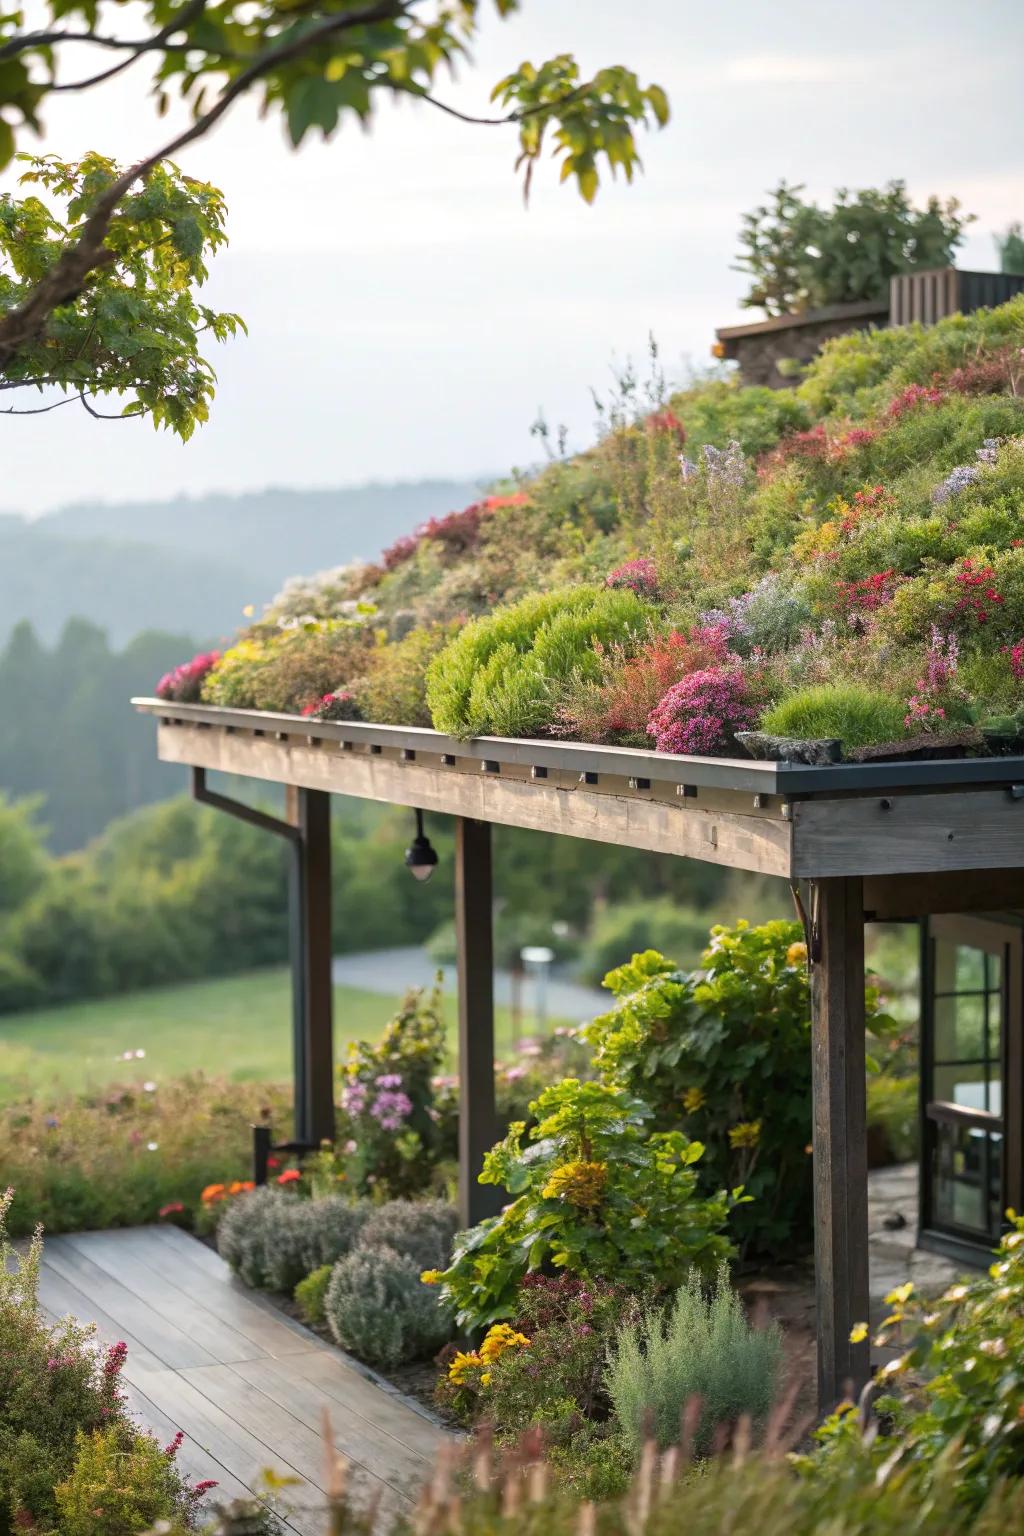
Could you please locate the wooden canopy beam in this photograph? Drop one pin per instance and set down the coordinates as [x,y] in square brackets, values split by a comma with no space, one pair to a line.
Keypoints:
[309,811]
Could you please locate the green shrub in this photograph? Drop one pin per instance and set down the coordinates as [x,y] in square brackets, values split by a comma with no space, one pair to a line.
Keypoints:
[274,1238]
[420,1230]
[377,1307]
[120,1483]
[502,675]
[64,1430]
[595,1194]
[627,927]
[858,716]
[893,1106]
[961,1394]
[725,1052]
[703,1348]
[311,1294]
[394,689]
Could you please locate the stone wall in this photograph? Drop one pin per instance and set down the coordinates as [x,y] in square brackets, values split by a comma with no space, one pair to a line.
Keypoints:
[792,339]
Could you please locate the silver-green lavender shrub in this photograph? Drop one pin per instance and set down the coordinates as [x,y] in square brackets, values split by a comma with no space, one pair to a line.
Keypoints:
[378,1308]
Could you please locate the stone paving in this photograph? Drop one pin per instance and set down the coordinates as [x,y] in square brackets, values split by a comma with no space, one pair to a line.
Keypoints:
[892,1238]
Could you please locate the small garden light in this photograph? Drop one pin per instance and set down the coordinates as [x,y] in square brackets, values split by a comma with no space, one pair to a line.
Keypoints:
[421,855]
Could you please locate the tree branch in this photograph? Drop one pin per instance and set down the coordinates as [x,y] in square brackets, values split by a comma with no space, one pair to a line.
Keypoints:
[69,274]
[135,46]
[494,122]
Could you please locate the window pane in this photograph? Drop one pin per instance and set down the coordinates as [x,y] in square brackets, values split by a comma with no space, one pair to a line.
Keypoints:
[960,1028]
[965,1184]
[963,1085]
[994,972]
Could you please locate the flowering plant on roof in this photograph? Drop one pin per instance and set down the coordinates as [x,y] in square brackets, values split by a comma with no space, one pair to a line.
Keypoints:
[701,713]
[183,684]
[640,576]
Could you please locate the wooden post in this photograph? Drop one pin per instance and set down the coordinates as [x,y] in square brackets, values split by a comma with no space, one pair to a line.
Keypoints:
[312,984]
[475,967]
[840,1136]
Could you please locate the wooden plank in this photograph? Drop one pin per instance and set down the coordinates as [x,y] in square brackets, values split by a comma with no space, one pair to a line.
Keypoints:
[177,1303]
[384,1455]
[233,1444]
[169,1344]
[908,834]
[192,1459]
[60,1298]
[300,1446]
[474,952]
[385,1409]
[211,1281]
[895,898]
[559,804]
[840,1137]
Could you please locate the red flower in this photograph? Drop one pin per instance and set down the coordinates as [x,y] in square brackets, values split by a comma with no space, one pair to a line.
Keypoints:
[911,397]
[290,1176]
[273,1162]
[666,421]
[173,1208]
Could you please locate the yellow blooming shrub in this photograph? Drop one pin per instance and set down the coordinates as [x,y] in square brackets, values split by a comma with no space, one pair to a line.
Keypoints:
[580,1183]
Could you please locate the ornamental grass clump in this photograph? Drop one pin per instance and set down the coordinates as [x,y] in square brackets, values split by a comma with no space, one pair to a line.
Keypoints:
[702,1348]
[857,715]
[504,675]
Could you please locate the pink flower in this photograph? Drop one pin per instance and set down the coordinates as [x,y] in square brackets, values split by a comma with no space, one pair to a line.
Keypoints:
[183,684]
[699,714]
[639,576]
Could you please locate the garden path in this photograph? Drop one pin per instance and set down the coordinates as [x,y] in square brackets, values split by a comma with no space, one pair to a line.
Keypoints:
[248,1386]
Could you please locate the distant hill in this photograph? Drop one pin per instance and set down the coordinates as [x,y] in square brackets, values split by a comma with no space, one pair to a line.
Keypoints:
[192,564]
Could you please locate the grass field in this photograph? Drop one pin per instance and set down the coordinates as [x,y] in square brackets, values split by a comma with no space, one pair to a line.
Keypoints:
[237,1027]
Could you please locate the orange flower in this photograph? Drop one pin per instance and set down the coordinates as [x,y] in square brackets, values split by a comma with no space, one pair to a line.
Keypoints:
[240,1186]
[211,1193]
[289,1176]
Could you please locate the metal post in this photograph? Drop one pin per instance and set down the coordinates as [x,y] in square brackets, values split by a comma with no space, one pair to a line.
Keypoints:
[475,967]
[840,1136]
[309,811]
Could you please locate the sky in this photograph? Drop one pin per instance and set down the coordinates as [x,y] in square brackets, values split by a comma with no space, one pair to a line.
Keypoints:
[408,317]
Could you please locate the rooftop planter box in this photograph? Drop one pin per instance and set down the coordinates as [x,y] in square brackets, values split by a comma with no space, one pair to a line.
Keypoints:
[796,339]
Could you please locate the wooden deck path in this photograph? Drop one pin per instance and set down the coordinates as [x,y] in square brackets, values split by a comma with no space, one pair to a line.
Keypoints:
[246,1384]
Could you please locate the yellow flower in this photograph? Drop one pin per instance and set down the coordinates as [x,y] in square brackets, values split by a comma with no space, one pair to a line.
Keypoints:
[463,1366]
[901,1294]
[579,1183]
[432,1276]
[746,1134]
[796,954]
[693,1099]
[500,1338]
[485,1379]
[858,1333]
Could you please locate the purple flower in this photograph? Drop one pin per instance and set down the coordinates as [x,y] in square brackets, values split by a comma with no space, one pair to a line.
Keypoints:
[388,1080]
[390,1108]
[353,1097]
[956,481]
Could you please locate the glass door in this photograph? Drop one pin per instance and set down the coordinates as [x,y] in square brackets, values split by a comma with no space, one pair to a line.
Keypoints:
[970,1059]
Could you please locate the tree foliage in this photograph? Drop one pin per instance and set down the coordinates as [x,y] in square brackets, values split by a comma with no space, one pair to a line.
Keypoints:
[800,256]
[134,329]
[320,64]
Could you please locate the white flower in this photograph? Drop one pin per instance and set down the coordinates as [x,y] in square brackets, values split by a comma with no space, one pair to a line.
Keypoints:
[151,1146]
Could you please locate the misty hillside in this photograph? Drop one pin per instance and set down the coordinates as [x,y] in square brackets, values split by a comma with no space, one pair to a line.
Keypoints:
[192,564]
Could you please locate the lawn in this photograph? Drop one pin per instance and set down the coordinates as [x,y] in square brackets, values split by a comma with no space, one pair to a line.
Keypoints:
[237,1027]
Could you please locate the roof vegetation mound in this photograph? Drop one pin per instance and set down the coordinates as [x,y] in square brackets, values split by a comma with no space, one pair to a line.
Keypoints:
[844,560]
